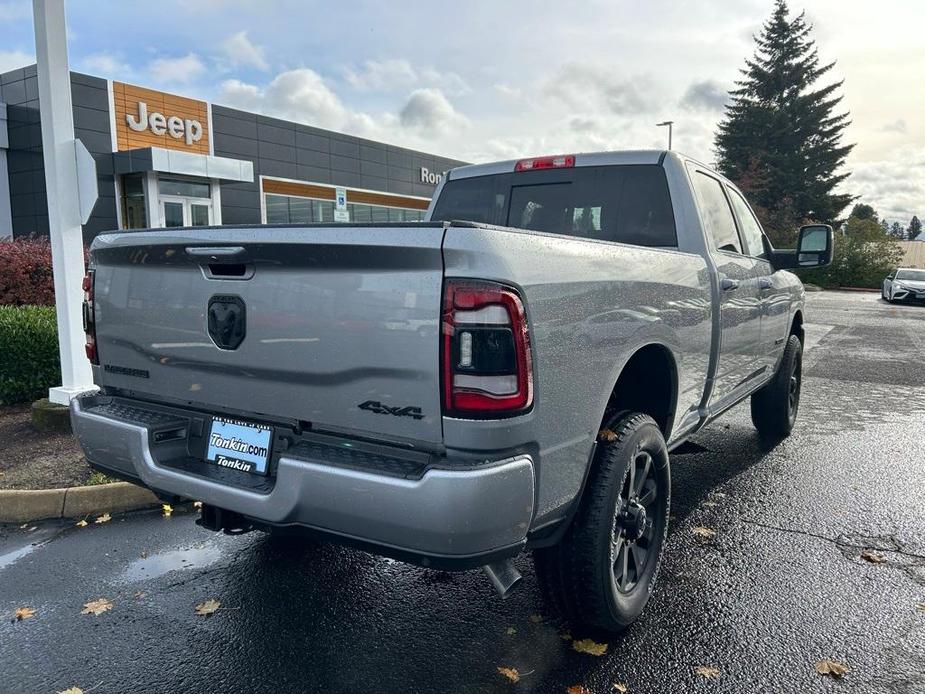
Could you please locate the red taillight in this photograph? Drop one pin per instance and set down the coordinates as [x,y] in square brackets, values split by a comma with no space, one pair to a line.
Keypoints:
[487,366]
[89,318]
[561,161]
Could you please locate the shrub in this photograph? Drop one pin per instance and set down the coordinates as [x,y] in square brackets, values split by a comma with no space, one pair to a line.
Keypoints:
[864,255]
[29,363]
[25,272]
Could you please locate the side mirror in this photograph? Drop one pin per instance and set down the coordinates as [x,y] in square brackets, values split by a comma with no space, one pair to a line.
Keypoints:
[816,245]
[815,248]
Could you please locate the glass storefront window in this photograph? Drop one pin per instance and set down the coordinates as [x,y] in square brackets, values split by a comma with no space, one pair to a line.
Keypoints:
[179,186]
[283,209]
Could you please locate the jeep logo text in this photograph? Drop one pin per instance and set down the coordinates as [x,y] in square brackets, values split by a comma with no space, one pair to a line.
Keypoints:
[159,124]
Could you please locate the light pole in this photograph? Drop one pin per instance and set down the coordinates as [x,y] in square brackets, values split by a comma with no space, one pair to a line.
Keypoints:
[669,123]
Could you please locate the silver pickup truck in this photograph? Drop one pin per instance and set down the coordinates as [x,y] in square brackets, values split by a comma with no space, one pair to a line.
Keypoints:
[508,375]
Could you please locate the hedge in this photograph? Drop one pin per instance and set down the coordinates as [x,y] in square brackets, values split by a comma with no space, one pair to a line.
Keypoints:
[29,363]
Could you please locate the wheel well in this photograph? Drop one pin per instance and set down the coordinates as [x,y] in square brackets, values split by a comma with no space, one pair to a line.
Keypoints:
[647,384]
[796,327]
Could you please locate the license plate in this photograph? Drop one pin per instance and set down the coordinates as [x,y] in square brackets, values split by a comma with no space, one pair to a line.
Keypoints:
[239,445]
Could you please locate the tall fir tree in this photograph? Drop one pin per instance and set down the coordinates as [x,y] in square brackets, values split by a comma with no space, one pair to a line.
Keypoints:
[784,132]
[897,230]
[915,228]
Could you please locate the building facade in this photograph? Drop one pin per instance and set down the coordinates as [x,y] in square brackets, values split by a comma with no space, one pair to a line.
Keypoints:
[165,160]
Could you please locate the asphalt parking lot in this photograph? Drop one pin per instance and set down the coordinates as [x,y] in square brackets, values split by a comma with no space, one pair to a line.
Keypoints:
[781,585]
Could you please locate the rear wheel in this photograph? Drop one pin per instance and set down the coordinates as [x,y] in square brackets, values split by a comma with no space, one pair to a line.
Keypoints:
[775,406]
[603,571]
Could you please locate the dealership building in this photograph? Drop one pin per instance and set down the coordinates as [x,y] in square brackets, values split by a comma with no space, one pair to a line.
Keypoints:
[165,160]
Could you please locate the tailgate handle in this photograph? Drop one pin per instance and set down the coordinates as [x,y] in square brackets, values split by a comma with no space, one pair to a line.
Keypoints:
[215,252]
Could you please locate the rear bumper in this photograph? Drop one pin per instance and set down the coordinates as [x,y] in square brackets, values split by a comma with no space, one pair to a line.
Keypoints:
[446,514]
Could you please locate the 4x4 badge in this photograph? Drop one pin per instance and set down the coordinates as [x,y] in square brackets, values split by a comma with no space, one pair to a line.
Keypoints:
[379,408]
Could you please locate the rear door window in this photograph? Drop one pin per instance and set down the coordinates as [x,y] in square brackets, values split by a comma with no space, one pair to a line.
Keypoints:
[716,213]
[751,229]
[625,204]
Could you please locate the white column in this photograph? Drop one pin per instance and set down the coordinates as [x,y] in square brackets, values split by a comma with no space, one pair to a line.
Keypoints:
[67,258]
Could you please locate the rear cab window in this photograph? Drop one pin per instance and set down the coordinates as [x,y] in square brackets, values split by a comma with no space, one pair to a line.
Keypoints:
[620,203]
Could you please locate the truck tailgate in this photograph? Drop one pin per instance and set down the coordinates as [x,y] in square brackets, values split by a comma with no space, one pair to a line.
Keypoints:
[332,318]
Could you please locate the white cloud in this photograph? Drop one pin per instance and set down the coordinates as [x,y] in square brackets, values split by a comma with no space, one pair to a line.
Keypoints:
[430,112]
[300,95]
[894,186]
[106,65]
[587,84]
[240,51]
[10,60]
[177,70]
[897,126]
[398,73]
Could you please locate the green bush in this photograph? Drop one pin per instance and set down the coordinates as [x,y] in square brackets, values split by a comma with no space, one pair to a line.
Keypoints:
[29,363]
[864,256]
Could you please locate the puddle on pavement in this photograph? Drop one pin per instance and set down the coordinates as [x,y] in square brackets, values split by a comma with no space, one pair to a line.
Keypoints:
[177,560]
[10,557]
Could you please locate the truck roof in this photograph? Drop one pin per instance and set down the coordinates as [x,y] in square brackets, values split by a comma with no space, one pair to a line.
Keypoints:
[639,156]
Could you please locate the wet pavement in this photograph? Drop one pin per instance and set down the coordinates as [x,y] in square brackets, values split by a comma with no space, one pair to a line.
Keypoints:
[781,586]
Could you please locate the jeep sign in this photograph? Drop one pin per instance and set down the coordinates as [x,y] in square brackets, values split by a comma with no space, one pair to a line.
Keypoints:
[159,124]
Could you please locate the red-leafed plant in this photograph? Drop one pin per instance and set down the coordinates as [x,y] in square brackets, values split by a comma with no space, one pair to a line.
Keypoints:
[25,272]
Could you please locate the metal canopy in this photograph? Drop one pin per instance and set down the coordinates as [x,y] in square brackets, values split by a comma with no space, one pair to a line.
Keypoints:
[183,163]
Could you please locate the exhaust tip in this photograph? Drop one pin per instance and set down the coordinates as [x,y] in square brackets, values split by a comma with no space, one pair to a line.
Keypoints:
[503,575]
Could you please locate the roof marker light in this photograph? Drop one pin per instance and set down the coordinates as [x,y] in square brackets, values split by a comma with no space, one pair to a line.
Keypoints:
[560,161]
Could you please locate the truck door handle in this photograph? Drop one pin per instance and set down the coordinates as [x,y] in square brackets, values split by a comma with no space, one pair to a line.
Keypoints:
[214,251]
[765,283]
[727,284]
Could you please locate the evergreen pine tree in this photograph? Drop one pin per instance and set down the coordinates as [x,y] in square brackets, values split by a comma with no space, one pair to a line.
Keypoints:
[915,228]
[783,130]
[897,230]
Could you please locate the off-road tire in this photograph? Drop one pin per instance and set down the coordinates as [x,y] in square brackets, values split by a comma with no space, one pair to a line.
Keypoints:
[775,406]
[576,576]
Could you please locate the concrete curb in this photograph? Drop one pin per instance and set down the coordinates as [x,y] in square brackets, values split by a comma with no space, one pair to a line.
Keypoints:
[26,505]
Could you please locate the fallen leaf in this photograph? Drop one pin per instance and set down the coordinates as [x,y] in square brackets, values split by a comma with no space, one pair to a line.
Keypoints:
[511,631]
[578,689]
[590,647]
[510,672]
[139,595]
[566,636]
[97,607]
[622,688]
[105,518]
[709,504]
[606,435]
[706,533]
[23,613]
[72,690]
[82,523]
[711,673]
[535,618]
[204,609]
[921,607]
[831,668]
[873,557]
[197,504]
[167,508]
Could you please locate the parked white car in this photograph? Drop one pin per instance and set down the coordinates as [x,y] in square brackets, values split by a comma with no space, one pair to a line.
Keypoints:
[903,284]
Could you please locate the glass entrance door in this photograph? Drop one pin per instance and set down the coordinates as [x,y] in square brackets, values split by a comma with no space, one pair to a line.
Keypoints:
[184,202]
[178,211]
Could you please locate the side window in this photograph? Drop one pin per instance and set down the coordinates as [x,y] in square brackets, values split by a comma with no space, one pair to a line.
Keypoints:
[751,229]
[717,215]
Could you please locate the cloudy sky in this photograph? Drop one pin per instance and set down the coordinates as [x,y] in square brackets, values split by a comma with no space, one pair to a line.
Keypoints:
[488,79]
